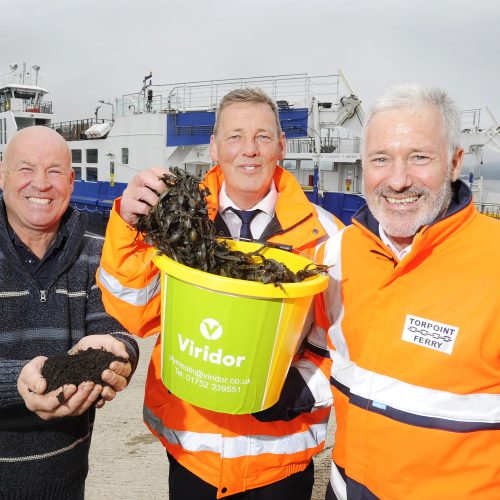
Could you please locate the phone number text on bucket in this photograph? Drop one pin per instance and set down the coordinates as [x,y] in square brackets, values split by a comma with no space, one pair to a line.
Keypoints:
[205,385]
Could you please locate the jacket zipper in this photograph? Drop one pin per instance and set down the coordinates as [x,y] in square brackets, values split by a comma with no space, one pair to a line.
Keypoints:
[388,257]
[43,296]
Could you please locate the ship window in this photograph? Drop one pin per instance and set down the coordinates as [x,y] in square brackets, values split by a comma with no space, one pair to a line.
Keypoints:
[91,156]
[290,164]
[78,173]
[125,156]
[92,174]
[76,156]
[306,165]
[325,165]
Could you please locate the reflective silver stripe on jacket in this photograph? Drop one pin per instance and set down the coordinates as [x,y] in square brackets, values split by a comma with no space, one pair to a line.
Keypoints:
[333,294]
[239,446]
[327,221]
[133,296]
[417,400]
[317,383]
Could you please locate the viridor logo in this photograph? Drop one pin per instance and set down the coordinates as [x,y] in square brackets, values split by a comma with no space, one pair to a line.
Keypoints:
[211,329]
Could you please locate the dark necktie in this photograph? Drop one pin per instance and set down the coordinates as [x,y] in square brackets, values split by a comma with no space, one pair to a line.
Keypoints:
[246,217]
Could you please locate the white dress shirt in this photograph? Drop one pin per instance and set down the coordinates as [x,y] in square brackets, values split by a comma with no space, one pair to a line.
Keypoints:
[259,222]
[400,254]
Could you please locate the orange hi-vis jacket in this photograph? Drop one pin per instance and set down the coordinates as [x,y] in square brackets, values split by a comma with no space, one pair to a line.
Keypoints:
[232,452]
[416,359]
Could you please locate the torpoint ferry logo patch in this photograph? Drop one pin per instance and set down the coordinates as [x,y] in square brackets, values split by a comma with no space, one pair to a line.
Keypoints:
[211,329]
[430,334]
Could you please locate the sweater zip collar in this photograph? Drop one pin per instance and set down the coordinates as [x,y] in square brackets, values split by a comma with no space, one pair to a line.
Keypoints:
[75,223]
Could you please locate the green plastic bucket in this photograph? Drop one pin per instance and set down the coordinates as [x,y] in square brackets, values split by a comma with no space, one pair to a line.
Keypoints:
[227,344]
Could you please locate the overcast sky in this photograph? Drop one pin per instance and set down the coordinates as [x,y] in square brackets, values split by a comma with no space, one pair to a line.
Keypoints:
[100,49]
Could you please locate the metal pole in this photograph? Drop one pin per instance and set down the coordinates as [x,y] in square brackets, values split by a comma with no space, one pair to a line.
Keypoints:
[317,147]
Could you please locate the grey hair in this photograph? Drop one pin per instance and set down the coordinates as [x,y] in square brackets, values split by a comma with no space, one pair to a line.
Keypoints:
[412,95]
[250,95]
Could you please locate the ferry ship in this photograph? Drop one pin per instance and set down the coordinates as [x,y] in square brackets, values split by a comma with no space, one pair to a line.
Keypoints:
[171,124]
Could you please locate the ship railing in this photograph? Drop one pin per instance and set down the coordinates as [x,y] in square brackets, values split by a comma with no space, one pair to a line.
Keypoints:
[328,145]
[21,78]
[470,119]
[294,90]
[74,130]
[46,107]
[27,106]
[490,209]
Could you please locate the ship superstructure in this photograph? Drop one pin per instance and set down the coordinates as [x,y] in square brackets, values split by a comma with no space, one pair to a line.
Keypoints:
[171,124]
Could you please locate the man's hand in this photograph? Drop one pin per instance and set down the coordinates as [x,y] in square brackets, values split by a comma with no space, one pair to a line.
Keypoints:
[116,375]
[141,194]
[76,400]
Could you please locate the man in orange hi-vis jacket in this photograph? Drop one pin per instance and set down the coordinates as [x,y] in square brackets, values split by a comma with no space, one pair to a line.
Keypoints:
[415,297]
[267,455]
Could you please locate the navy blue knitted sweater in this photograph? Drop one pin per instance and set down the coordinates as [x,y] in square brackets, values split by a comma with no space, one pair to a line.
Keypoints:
[47,459]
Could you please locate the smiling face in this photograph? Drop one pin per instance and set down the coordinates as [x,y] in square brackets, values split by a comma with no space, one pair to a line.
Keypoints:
[407,172]
[37,181]
[247,147]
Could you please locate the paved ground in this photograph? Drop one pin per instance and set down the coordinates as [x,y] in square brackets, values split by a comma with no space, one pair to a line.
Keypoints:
[128,463]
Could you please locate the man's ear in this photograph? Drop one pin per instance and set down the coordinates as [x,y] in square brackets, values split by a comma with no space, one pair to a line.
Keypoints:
[456,163]
[213,149]
[72,179]
[282,146]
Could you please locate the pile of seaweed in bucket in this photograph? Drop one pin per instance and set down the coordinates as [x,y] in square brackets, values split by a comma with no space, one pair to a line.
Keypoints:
[82,366]
[180,228]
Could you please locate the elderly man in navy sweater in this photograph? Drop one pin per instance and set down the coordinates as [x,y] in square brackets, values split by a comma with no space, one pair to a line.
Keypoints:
[50,304]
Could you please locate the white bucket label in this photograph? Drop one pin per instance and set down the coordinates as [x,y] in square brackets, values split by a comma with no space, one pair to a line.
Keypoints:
[430,334]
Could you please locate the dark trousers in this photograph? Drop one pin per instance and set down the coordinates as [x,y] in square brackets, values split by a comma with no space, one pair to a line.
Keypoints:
[184,485]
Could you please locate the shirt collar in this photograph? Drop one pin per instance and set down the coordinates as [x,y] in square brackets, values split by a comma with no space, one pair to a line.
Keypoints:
[400,254]
[266,205]
[56,244]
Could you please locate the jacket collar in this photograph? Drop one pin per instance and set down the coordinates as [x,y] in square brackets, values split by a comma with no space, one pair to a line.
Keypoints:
[292,223]
[460,209]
